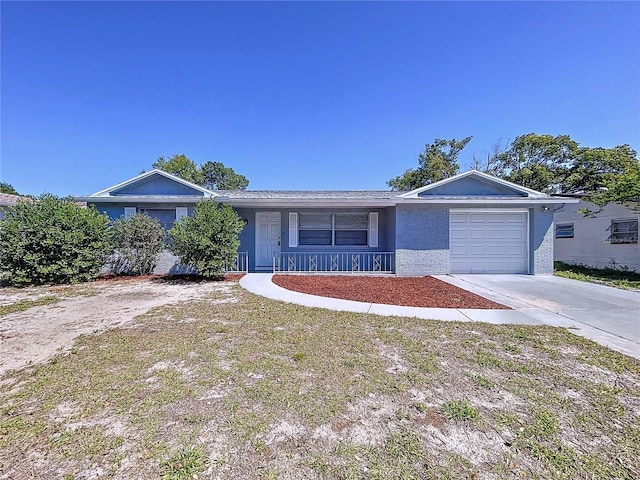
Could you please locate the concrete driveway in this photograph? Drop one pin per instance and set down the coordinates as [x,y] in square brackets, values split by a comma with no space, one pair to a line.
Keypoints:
[607,315]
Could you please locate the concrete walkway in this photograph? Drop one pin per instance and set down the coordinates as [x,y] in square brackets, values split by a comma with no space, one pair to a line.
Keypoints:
[523,312]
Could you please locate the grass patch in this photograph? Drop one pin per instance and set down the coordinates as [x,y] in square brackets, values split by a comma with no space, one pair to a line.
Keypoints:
[261,389]
[483,381]
[185,464]
[605,276]
[460,410]
[23,305]
[487,359]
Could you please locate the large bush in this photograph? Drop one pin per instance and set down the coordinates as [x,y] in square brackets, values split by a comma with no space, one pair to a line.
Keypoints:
[207,240]
[52,240]
[138,240]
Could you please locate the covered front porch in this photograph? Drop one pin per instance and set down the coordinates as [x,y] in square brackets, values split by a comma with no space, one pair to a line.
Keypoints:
[327,239]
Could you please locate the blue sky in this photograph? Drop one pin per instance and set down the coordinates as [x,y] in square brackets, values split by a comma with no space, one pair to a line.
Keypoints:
[302,95]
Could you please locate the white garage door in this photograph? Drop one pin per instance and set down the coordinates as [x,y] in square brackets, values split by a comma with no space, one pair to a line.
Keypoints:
[488,242]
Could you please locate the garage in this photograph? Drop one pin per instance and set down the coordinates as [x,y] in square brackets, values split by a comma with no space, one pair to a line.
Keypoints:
[485,241]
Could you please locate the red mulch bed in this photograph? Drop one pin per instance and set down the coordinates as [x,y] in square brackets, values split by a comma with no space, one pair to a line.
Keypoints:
[406,291]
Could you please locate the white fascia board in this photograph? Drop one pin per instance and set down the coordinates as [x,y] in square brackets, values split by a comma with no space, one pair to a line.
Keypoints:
[490,178]
[141,199]
[293,203]
[485,200]
[155,171]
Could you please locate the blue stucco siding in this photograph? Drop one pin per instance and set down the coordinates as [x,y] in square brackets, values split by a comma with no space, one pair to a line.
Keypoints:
[116,210]
[386,242]
[471,186]
[157,185]
[113,211]
[422,240]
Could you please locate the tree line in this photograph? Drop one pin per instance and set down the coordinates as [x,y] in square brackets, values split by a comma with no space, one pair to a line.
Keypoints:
[550,164]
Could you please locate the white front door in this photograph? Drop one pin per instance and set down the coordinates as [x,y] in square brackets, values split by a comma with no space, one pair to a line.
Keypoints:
[267,238]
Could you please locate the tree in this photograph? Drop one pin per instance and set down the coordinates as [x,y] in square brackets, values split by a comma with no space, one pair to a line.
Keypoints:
[489,165]
[52,240]
[180,166]
[207,240]
[595,168]
[625,189]
[211,175]
[7,188]
[138,240]
[218,177]
[438,160]
[540,162]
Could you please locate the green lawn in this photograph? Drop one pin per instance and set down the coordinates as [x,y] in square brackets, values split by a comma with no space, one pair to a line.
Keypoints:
[239,386]
[604,276]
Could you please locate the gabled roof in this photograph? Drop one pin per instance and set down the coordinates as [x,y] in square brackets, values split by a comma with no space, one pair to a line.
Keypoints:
[476,187]
[508,188]
[110,194]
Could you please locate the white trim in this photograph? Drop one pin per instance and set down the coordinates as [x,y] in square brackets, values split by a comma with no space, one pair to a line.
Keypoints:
[489,210]
[181,212]
[144,199]
[307,203]
[293,229]
[129,211]
[342,203]
[481,175]
[155,171]
[373,229]
[488,200]
[498,210]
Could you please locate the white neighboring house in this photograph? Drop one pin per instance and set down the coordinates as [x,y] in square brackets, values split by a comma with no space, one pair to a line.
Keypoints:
[7,200]
[610,240]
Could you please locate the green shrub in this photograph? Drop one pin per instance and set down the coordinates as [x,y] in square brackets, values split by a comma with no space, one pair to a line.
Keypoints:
[207,240]
[52,240]
[138,240]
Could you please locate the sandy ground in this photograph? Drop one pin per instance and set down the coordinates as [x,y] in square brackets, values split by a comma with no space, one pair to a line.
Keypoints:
[39,333]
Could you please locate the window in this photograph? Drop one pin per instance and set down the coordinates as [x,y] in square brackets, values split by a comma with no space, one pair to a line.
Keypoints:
[333,229]
[351,228]
[564,230]
[315,229]
[624,231]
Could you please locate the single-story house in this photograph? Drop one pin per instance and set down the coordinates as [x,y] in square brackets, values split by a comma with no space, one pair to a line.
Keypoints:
[469,223]
[607,240]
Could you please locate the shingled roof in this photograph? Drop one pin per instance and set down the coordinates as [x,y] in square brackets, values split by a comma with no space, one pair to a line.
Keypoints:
[308,194]
[7,199]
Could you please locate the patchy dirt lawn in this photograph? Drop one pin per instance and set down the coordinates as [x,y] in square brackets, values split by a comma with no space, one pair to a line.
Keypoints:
[208,380]
[410,291]
[61,314]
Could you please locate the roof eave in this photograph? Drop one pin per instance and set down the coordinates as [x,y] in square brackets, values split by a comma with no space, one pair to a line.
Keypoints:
[271,202]
[143,199]
[505,201]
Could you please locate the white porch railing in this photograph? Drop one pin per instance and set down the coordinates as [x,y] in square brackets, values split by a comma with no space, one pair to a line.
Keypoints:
[379,262]
[240,265]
